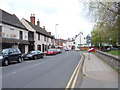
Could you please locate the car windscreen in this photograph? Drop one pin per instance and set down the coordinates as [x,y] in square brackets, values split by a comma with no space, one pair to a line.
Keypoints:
[33,52]
[5,51]
[50,49]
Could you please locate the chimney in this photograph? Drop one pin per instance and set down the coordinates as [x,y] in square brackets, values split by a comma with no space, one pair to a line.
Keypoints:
[44,27]
[32,19]
[38,23]
[49,33]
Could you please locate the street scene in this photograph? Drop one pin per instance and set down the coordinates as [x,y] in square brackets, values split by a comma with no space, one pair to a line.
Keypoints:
[59,44]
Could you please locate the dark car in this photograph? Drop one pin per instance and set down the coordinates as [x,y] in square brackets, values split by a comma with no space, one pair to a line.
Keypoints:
[36,54]
[10,54]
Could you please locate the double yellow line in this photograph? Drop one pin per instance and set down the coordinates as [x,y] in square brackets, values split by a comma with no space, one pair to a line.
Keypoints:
[73,79]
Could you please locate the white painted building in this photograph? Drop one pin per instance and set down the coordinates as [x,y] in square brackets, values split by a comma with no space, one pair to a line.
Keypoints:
[42,39]
[80,40]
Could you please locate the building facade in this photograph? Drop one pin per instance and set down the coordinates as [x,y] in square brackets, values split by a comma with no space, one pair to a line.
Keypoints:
[12,32]
[80,40]
[42,40]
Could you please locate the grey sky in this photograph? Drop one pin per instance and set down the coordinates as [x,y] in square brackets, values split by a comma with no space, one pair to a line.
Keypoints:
[67,13]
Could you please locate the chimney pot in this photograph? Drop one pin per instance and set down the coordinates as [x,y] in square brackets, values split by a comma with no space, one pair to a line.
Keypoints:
[49,33]
[44,27]
[38,22]
[32,19]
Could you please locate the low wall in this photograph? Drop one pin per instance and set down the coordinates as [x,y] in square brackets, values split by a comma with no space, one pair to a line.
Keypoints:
[112,60]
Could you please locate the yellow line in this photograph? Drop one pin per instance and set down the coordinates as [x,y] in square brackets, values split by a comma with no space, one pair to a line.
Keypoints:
[68,85]
[75,79]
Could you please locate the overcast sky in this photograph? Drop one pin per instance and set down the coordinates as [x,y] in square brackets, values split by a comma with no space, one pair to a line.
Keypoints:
[68,14]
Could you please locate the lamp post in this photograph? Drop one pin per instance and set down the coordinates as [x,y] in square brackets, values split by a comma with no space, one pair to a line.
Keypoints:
[80,39]
[56,34]
[56,30]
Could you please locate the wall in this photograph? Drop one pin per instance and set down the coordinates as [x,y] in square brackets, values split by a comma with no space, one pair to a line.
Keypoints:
[26,48]
[112,60]
[13,32]
[77,40]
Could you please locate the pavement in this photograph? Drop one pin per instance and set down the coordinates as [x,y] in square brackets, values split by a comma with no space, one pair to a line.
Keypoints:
[97,73]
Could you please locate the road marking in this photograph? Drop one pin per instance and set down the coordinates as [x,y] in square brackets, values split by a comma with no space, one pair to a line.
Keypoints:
[74,76]
[75,79]
[13,72]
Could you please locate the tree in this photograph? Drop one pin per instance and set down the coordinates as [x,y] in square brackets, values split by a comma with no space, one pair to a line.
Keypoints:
[106,16]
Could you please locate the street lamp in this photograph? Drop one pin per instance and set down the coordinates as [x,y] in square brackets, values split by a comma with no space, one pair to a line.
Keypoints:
[56,33]
[56,30]
[80,39]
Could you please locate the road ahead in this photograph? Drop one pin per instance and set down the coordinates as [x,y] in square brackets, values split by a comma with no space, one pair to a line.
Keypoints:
[50,72]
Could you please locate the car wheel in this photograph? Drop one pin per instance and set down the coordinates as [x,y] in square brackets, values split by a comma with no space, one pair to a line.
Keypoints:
[6,62]
[35,57]
[41,56]
[19,60]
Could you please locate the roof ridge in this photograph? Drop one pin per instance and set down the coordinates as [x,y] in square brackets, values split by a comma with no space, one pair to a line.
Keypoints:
[11,19]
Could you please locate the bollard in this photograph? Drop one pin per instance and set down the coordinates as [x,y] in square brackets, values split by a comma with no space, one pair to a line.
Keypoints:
[89,55]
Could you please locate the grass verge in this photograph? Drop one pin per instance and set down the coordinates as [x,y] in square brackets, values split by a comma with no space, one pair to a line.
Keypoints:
[114,52]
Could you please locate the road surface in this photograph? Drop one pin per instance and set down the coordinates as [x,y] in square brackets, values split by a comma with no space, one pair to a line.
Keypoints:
[51,72]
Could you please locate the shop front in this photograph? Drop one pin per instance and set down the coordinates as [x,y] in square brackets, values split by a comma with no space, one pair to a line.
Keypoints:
[14,43]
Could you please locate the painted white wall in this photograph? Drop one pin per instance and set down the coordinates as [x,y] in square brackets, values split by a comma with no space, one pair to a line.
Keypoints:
[27,25]
[26,48]
[77,40]
[13,32]
[15,46]
[68,45]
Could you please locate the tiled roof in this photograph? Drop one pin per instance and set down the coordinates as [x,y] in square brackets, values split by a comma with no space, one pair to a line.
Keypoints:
[10,19]
[39,29]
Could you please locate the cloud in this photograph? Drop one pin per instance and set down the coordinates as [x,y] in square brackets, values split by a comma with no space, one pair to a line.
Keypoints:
[66,13]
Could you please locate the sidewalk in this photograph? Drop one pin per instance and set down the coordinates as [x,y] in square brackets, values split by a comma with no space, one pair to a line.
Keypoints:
[98,73]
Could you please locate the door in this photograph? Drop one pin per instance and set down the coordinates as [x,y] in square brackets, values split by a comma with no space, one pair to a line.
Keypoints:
[43,48]
[11,55]
[16,54]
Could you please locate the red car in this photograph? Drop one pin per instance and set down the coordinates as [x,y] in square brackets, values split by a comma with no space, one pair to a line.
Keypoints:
[51,52]
[91,50]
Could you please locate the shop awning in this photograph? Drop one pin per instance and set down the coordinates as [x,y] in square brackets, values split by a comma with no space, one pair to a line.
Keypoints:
[10,40]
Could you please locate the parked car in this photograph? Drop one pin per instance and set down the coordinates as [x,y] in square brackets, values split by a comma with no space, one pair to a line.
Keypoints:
[35,54]
[66,49]
[77,49]
[59,50]
[51,52]
[91,50]
[10,54]
[113,48]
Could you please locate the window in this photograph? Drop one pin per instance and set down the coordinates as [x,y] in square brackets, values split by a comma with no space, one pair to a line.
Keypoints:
[10,51]
[11,29]
[44,38]
[39,47]
[47,39]
[14,50]
[20,35]
[38,36]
